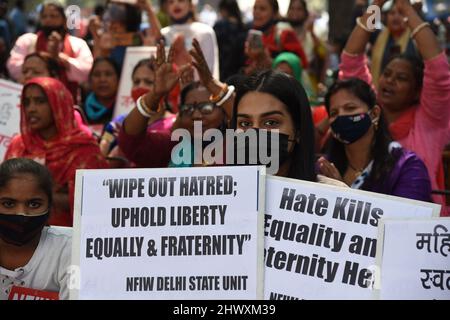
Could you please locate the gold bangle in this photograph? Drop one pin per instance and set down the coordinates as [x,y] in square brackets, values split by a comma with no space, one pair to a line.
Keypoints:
[217,98]
[149,110]
[418,28]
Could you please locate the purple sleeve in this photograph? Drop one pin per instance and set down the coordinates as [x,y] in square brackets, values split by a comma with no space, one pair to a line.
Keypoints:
[148,150]
[409,178]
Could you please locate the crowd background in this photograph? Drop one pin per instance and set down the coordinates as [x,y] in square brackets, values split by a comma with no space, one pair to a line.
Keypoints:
[354,106]
[84,49]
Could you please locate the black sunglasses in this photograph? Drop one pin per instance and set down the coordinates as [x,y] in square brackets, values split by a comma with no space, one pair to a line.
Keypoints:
[205,108]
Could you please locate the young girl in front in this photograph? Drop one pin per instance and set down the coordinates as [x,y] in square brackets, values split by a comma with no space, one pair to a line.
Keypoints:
[34,259]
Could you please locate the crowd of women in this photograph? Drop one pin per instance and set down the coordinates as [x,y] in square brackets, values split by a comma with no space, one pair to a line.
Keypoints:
[382,125]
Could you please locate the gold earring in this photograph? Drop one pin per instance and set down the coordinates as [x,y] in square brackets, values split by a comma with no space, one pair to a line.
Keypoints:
[375,124]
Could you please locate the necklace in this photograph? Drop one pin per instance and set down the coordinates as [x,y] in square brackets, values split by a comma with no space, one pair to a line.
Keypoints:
[357,172]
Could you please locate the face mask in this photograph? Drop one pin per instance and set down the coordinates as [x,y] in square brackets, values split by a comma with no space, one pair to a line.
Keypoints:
[19,229]
[267,147]
[182,20]
[296,23]
[47,30]
[136,93]
[348,129]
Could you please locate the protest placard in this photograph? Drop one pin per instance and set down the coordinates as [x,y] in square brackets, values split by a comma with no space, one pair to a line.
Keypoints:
[321,240]
[415,259]
[9,113]
[124,102]
[192,233]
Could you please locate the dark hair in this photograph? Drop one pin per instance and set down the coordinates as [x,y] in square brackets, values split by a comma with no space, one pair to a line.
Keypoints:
[134,18]
[58,8]
[356,87]
[191,86]
[51,64]
[20,4]
[291,93]
[13,167]
[236,80]
[304,4]
[133,15]
[99,9]
[416,64]
[274,5]
[232,7]
[149,63]
[108,60]
[383,160]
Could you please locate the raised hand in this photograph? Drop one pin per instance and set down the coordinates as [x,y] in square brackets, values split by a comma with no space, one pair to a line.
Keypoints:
[309,23]
[144,5]
[402,6]
[180,54]
[213,85]
[54,43]
[166,75]
[94,26]
[380,3]
[259,58]
[200,63]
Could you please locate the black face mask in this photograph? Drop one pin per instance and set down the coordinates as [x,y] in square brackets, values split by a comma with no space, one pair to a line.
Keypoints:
[182,20]
[350,128]
[267,26]
[19,229]
[47,30]
[261,150]
[296,23]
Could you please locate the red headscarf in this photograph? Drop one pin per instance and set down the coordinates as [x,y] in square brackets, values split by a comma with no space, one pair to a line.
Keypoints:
[74,146]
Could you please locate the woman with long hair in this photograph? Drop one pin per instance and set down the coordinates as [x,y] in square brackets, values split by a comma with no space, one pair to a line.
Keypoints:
[53,39]
[362,152]
[183,25]
[274,100]
[414,96]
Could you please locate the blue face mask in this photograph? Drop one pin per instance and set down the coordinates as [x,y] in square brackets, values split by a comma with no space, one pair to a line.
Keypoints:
[348,129]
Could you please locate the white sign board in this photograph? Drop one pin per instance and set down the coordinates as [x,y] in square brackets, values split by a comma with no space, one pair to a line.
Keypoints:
[321,240]
[415,259]
[124,102]
[9,114]
[190,233]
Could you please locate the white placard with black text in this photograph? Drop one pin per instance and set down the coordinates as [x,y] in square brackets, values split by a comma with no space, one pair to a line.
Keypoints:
[321,240]
[190,233]
[9,113]
[415,262]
